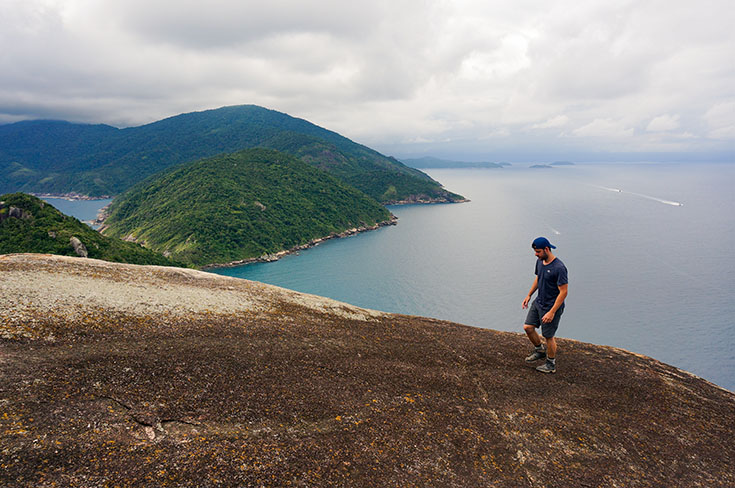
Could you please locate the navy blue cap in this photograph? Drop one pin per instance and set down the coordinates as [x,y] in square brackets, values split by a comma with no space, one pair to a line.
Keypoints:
[542,243]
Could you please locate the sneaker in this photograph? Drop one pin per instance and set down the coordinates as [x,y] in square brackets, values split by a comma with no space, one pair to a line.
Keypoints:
[547,367]
[536,356]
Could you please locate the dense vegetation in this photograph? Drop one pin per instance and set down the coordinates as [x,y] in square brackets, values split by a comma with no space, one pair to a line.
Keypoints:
[28,224]
[61,157]
[237,206]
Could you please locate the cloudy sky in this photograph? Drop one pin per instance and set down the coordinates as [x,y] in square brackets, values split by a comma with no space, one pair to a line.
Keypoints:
[482,80]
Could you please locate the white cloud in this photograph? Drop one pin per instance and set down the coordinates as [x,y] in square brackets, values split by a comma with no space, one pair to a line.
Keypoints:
[552,123]
[725,133]
[604,128]
[500,133]
[384,72]
[721,120]
[663,123]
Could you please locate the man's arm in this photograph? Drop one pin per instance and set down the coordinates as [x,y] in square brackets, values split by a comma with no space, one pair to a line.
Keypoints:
[534,287]
[549,316]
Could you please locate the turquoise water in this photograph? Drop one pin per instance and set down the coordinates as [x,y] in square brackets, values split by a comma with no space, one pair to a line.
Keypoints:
[645,273]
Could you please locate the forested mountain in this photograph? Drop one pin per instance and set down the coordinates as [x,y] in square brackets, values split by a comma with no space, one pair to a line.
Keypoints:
[237,206]
[61,157]
[28,224]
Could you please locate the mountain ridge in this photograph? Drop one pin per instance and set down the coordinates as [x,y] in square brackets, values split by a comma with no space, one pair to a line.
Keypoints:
[62,157]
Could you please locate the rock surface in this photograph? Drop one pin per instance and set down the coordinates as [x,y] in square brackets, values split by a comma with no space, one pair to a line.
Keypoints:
[78,246]
[124,375]
[12,212]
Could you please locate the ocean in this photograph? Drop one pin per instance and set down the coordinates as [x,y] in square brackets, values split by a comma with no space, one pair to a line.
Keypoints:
[646,246]
[84,210]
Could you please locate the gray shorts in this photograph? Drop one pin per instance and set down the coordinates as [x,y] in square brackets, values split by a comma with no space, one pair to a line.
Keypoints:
[534,318]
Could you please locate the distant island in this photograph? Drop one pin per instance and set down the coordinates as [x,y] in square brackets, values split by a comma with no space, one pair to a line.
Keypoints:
[429,162]
[551,165]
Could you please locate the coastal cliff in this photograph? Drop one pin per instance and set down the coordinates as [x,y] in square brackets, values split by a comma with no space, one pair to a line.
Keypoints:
[125,375]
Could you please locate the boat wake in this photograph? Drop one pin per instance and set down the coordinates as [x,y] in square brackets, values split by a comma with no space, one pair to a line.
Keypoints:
[648,197]
[659,200]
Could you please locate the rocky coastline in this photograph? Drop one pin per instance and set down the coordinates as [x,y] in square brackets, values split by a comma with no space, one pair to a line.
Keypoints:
[269,258]
[71,196]
[424,200]
[102,214]
[99,224]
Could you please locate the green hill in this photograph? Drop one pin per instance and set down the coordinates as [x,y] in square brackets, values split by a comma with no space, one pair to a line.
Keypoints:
[61,157]
[237,206]
[28,224]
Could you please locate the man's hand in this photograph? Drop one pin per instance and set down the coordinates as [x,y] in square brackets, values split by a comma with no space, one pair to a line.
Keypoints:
[525,302]
[548,317]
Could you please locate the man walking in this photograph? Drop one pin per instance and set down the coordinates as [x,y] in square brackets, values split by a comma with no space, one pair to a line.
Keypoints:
[545,312]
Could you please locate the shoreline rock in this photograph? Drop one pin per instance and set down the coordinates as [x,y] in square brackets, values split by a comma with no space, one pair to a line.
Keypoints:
[269,258]
[424,200]
[102,215]
[71,196]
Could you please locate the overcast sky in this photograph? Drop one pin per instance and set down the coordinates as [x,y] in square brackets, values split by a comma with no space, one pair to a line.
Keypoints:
[490,80]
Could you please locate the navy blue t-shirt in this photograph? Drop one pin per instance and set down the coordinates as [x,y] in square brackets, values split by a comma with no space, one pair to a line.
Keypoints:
[550,277]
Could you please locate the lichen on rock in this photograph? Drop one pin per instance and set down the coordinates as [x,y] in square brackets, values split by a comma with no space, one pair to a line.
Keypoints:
[154,376]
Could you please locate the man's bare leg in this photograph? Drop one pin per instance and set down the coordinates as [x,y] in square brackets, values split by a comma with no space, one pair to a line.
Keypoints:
[533,335]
